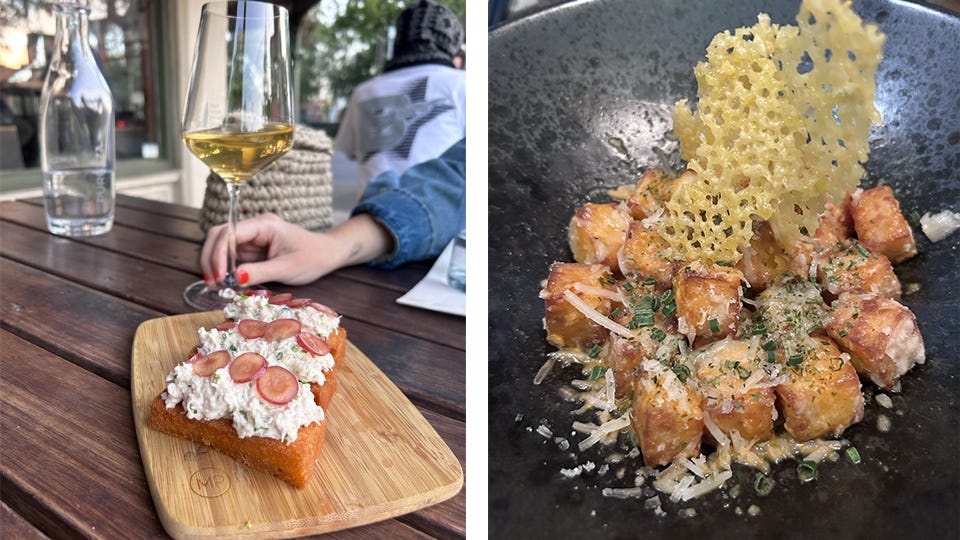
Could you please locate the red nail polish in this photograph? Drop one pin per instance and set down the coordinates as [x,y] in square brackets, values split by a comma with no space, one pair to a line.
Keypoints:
[242,276]
[206,278]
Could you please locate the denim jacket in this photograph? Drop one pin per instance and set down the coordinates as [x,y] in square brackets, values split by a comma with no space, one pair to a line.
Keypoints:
[423,208]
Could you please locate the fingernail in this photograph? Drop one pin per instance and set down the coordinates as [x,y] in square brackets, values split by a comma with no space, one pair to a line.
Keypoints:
[242,276]
[206,278]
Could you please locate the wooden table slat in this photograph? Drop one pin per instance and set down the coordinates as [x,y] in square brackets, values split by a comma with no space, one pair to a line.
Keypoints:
[347,296]
[16,526]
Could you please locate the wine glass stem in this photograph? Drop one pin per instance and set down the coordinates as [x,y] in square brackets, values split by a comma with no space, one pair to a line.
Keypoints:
[233,194]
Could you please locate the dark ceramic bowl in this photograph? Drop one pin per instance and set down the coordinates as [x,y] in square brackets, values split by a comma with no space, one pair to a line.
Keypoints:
[570,89]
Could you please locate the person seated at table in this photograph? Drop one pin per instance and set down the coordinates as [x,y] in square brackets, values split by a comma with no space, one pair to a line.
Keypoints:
[400,218]
[416,108]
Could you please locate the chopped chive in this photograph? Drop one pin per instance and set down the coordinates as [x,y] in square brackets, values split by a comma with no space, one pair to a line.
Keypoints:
[769,346]
[914,217]
[723,263]
[643,316]
[794,360]
[807,471]
[594,351]
[853,455]
[627,286]
[763,484]
[861,249]
[597,372]
[771,356]
[758,330]
[617,312]
[843,333]
[611,281]
[714,326]
[667,296]
[804,231]
[669,310]
[518,418]
[681,371]
[836,363]
[658,334]
[648,281]
[742,371]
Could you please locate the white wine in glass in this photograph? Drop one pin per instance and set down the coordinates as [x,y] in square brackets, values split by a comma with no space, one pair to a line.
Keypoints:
[238,117]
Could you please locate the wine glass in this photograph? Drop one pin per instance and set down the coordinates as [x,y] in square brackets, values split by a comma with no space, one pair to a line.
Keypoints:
[238,117]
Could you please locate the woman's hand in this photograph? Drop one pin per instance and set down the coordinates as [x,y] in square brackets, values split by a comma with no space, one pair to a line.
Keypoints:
[271,249]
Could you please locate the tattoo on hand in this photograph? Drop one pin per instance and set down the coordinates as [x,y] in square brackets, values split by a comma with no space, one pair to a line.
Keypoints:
[355,250]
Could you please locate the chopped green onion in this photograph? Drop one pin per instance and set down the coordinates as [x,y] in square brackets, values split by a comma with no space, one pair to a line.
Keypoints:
[714,326]
[723,263]
[681,371]
[763,484]
[667,297]
[658,334]
[769,346]
[627,286]
[597,372]
[860,248]
[771,356]
[643,316]
[669,310]
[758,330]
[742,371]
[794,360]
[518,418]
[843,333]
[836,363]
[594,351]
[853,455]
[804,231]
[648,281]
[807,471]
[914,217]
[617,312]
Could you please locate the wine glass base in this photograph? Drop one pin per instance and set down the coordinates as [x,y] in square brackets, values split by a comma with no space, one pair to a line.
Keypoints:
[201,298]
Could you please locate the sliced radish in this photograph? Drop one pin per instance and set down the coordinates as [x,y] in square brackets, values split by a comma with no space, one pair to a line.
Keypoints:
[195,357]
[323,309]
[313,343]
[281,329]
[226,325]
[247,367]
[281,299]
[205,366]
[266,293]
[251,328]
[277,385]
[299,303]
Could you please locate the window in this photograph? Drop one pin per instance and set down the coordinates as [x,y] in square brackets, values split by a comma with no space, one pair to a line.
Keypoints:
[122,38]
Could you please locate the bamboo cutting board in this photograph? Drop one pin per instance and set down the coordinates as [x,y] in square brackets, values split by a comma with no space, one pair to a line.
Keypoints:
[381,458]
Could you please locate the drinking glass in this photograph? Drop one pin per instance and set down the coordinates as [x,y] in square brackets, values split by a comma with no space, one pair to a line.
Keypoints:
[238,117]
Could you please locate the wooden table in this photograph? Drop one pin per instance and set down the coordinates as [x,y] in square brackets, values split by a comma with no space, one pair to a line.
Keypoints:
[70,461]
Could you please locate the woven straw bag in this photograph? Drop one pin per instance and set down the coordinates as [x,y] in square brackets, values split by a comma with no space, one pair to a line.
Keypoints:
[298,187]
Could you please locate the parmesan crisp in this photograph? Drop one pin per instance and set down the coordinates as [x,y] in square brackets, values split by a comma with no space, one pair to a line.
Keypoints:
[780,128]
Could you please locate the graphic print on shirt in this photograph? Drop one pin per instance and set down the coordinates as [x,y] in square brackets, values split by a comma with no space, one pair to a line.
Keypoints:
[390,123]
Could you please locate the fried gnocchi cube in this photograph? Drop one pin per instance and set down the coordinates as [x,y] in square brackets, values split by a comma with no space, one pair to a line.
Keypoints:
[835,222]
[567,326]
[851,267]
[667,416]
[821,395]
[597,231]
[880,334]
[730,379]
[709,299]
[763,259]
[880,225]
[653,190]
[624,356]
[646,253]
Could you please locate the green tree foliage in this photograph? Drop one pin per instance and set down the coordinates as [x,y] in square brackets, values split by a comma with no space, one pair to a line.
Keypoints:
[341,43]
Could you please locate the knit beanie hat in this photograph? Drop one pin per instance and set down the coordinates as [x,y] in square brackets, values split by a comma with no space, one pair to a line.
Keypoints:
[427,32]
